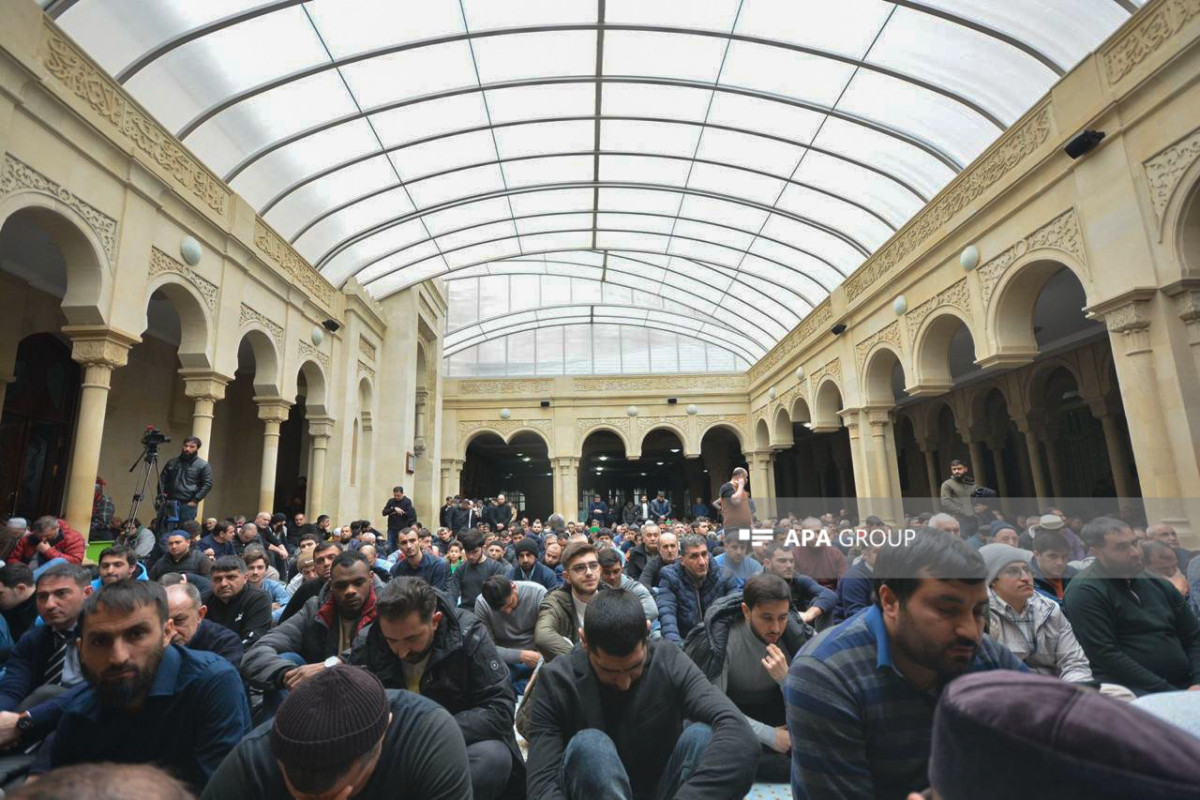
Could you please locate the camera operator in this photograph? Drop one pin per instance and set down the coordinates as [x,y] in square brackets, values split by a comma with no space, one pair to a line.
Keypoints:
[186,479]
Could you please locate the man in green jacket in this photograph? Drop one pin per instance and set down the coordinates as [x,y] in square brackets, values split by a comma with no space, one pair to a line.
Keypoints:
[1136,629]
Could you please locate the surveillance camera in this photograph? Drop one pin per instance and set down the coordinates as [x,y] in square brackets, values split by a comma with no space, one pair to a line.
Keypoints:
[331,325]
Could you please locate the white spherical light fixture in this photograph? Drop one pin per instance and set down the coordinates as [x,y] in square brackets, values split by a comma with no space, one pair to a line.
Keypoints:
[969,258]
[692,410]
[505,413]
[191,251]
[799,373]
[632,411]
[900,305]
[771,393]
[317,335]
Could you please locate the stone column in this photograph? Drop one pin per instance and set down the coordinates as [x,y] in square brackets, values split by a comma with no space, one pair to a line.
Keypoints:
[978,465]
[1049,436]
[320,431]
[205,388]
[566,486]
[1117,457]
[996,445]
[885,469]
[419,423]
[273,412]
[931,473]
[862,471]
[99,352]
[761,489]
[451,477]
[1040,489]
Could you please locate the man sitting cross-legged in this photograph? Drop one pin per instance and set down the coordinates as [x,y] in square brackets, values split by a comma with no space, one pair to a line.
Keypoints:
[509,611]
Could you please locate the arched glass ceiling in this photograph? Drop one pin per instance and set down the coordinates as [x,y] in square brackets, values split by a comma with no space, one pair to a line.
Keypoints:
[740,157]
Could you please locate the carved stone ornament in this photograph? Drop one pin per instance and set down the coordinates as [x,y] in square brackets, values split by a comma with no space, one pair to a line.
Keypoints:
[889,334]
[205,388]
[504,387]
[366,348]
[957,295]
[100,351]
[320,431]
[249,316]
[505,427]
[151,141]
[584,426]
[832,368]
[366,368]
[1165,169]
[734,383]
[675,424]
[161,262]
[1010,150]
[817,320]
[706,421]
[274,412]
[1061,233]
[18,176]
[1132,316]
[307,351]
[291,263]
[1155,27]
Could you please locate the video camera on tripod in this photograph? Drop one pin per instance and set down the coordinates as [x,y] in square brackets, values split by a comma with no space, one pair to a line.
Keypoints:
[152,438]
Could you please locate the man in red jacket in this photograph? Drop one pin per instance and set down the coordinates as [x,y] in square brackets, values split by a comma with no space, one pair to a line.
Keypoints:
[49,541]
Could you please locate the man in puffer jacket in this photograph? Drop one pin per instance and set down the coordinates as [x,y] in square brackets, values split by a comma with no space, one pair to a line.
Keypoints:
[1030,625]
[688,588]
[741,635]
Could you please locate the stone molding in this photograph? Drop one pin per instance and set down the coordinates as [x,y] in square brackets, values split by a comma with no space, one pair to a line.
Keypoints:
[307,351]
[585,426]
[105,349]
[1010,150]
[1146,33]
[292,264]
[734,383]
[889,334]
[205,387]
[18,176]
[320,431]
[82,78]
[831,368]
[706,421]
[506,387]
[957,295]
[1061,233]
[249,315]
[1165,169]
[504,427]
[366,368]
[160,262]
[274,411]
[366,348]
[816,320]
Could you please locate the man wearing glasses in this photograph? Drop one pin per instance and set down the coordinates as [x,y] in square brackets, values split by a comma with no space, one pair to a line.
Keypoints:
[562,611]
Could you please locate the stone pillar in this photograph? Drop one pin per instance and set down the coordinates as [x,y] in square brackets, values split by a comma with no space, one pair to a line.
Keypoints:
[978,465]
[1049,436]
[862,471]
[273,412]
[1117,457]
[419,424]
[761,489]
[320,431]
[1040,489]
[885,468]
[205,388]
[566,486]
[996,445]
[451,477]
[931,472]
[99,352]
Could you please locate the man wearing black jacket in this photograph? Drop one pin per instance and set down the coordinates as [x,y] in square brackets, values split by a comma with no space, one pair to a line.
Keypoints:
[638,555]
[400,514]
[187,479]
[243,609]
[418,642]
[446,514]
[608,719]
[500,514]
[467,581]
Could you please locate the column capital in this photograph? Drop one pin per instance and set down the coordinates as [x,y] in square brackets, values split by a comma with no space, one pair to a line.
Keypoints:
[1127,311]
[99,347]
[272,409]
[320,430]
[453,463]
[199,384]
[878,417]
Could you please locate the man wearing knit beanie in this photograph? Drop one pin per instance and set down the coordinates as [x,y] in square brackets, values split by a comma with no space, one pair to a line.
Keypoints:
[528,568]
[340,734]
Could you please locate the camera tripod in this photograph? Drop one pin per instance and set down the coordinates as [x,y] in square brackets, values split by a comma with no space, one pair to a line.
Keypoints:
[149,458]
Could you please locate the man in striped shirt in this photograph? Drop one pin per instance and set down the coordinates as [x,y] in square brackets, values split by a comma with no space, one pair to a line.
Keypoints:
[860,697]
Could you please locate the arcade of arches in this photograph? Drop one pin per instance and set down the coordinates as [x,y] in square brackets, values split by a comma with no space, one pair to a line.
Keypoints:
[1039,318]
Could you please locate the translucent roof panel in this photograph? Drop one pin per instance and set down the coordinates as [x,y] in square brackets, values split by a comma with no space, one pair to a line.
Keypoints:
[647,182]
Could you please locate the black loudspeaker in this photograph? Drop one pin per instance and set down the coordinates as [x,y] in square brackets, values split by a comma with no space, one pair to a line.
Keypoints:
[1084,143]
[331,325]
[839,328]
[545,404]
[672,401]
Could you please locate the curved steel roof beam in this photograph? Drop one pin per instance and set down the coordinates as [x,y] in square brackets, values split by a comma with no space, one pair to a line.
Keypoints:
[324,173]
[380,52]
[653,214]
[545,187]
[586,153]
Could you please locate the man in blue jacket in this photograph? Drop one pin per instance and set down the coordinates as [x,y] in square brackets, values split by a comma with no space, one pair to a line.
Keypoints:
[528,568]
[810,600]
[660,508]
[415,562]
[118,563]
[687,588]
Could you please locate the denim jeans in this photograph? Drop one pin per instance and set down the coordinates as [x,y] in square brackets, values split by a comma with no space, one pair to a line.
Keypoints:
[518,675]
[592,769]
[273,698]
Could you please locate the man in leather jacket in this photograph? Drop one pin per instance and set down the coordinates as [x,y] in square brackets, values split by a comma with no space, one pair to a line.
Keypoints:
[187,479]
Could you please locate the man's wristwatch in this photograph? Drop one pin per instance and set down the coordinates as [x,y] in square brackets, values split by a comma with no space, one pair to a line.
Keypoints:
[25,723]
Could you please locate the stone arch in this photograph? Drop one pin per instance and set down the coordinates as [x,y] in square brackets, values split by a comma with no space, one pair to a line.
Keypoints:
[781,429]
[931,373]
[603,426]
[878,367]
[89,269]
[267,362]
[1181,216]
[1010,328]
[1034,388]
[666,426]
[762,434]
[799,411]
[195,323]
[317,397]
[827,403]
[729,426]
[366,400]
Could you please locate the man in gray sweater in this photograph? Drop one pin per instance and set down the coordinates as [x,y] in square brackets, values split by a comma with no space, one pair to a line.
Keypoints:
[509,611]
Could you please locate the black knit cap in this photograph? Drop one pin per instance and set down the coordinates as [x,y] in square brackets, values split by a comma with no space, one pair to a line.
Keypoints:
[331,718]
[526,546]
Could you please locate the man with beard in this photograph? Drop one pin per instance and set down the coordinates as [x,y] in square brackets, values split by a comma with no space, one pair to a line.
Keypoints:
[744,647]
[192,630]
[639,555]
[688,588]
[809,599]
[528,568]
[414,561]
[235,604]
[611,574]
[1135,628]
[147,701]
[320,635]
[186,480]
[420,643]
[668,554]
[563,610]
[180,557]
[271,540]
[117,563]
[322,555]
[608,720]
[860,696]
[467,581]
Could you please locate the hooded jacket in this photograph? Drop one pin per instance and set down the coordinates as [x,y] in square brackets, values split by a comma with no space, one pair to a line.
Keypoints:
[312,633]
[464,675]
[1054,650]
[956,496]
[682,604]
